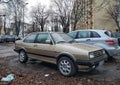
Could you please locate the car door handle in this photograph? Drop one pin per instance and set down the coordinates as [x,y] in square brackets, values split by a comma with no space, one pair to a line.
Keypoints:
[88,40]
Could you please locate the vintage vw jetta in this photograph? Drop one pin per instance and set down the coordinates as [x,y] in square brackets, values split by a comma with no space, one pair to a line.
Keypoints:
[60,49]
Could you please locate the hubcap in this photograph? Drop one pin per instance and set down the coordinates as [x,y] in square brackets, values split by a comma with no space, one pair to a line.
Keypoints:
[22,56]
[65,67]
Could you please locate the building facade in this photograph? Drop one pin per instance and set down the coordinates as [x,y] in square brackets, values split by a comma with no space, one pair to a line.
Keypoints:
[96,15]
[101,18]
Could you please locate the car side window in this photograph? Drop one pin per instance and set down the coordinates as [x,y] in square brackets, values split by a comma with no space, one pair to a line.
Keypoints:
[41,38]
[83,34]
[72,34]
[94,34]
[108,33]
[30,38]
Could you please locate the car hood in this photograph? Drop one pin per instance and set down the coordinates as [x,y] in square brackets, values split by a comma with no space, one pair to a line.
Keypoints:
[78,47]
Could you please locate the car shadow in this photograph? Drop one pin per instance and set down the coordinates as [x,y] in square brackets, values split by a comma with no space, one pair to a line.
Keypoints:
[43,64]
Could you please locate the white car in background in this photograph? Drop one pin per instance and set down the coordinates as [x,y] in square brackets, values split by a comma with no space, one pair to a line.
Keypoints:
[101,38]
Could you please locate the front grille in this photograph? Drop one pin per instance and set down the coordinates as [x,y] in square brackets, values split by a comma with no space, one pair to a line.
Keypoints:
[98,53]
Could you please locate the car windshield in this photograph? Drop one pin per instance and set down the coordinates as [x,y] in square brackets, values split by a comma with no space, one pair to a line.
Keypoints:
[62,38]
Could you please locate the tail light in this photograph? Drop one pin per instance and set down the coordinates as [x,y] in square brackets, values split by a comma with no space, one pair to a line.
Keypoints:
[110,42]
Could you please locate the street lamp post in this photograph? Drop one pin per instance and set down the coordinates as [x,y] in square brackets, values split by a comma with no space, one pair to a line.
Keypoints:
[23,19]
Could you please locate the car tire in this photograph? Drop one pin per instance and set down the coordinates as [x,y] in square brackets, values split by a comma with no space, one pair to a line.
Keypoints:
[23,56]
[66,66]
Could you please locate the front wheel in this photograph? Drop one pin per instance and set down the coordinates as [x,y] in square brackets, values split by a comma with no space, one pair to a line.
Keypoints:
[66,66]
[23,56]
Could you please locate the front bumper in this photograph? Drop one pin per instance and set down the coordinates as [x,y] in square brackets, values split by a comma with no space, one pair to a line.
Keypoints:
[89,65]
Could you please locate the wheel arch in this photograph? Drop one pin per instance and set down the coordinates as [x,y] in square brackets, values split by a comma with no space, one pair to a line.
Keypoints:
[66,55]
[21,50]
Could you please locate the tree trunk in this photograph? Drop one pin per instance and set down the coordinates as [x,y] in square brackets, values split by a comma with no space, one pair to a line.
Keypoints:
[66,29]
[117,23]
[33,27]
[75,24]
[42,27]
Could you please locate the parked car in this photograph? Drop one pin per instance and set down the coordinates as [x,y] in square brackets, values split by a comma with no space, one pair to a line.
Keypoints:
[60,49]
[117,35]
[11,38]
[1,38]
[101,38]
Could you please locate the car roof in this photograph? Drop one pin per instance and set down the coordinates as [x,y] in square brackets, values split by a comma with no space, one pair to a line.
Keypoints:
[44,32]
[92,30]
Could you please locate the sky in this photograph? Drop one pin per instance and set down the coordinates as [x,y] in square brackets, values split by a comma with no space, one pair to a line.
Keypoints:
[35,2]
[32,3]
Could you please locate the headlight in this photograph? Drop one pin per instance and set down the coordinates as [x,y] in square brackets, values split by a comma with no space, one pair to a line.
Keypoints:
[91,55]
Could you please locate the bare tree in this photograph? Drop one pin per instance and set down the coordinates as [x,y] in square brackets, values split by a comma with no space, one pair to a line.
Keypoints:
[4,1]
[4,14]
[99,4]
[40,14]
[78,12]
[83,11]
[114,12]
[64,10]
[34,27]
[0,24]
[15,8]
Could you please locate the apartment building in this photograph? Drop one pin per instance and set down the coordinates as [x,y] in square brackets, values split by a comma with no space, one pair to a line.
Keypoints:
[97,16]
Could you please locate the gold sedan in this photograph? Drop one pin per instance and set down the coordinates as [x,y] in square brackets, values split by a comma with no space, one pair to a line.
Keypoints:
[60,49]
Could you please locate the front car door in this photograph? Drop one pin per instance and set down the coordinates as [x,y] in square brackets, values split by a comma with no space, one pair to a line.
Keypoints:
[43,50]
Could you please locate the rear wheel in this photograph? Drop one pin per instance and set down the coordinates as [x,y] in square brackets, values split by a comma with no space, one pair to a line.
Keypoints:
[23,56]
[66,66]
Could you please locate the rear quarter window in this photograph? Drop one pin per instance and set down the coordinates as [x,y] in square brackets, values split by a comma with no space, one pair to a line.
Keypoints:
[94,34]
[30,38]
[41,38]
[108,33]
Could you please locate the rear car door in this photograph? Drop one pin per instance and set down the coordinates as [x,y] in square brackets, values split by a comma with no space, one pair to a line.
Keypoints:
[89,37]
[29,43]
[95,38]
